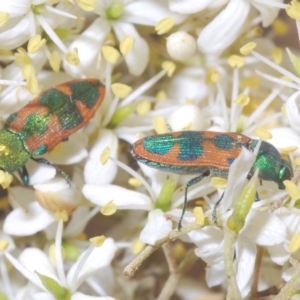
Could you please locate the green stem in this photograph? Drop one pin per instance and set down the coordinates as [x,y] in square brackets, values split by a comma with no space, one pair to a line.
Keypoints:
[229,241]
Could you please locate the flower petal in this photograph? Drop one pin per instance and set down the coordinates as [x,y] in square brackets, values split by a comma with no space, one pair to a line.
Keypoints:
[187,116]
[88,44]
[188,6]
[99,258]
[157,227]
[238,173]
[16,34]
[246,255]
[226,27]
[80,296]
[94,171]
[292,111]
[137,59]
[209,241]
[264,228]
[16,8]
[34,259]
[21,223]
[148,13]
[268,12]
[123,198]
[193,81]
[69,152]
[278,254]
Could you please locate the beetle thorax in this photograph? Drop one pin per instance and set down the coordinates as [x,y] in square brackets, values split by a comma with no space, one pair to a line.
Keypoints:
[13,155]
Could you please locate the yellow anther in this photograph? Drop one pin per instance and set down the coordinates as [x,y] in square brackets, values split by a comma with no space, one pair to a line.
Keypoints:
[164,25]
[295,243]
[98,241]
[295,61]
[277,55]
[61,215]
[247,49]
[262,133]
[121,90]
[127,44]
[55,61]
[293,10]
[4,245]
[218,182]
[87,5]
[134,182]
[32,84]
[105,155]
[35,44]
[212,76]
[252,82]
[110,54]
[286,78]
[161,95]
[143,107]
[199,215]
[5,179]
[72,57]
[283,110]
[288,150]
[292,189]
[4,16]
[137,246]
[28,71]
[22,58]
[242,99]
[280,27]
[170,67]
[297,162]
[52,255]
[109,209]
[159,124]
[236,61]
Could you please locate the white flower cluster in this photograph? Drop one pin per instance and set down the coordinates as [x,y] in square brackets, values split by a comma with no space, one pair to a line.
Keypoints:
[168,66]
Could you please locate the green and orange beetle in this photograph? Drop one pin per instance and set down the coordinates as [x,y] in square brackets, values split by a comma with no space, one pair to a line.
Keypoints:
[46,121]
[208,153]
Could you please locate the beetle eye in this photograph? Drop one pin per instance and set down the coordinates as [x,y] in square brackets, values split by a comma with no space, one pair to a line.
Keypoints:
[285,173]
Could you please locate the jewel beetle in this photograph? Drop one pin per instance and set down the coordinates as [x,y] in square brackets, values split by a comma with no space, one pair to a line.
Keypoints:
[47,120]
[208,153]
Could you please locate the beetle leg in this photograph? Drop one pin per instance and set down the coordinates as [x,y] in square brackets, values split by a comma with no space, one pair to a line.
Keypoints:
[214,213]
[189,184]
[58,170]
[24,175]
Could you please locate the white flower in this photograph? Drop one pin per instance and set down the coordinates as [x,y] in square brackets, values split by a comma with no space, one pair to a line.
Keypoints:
[188,83]
[25,18]
[119,17]
[33,263]
[21,223]
[94,171]
[157,227]
[225,28]
[56,195]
